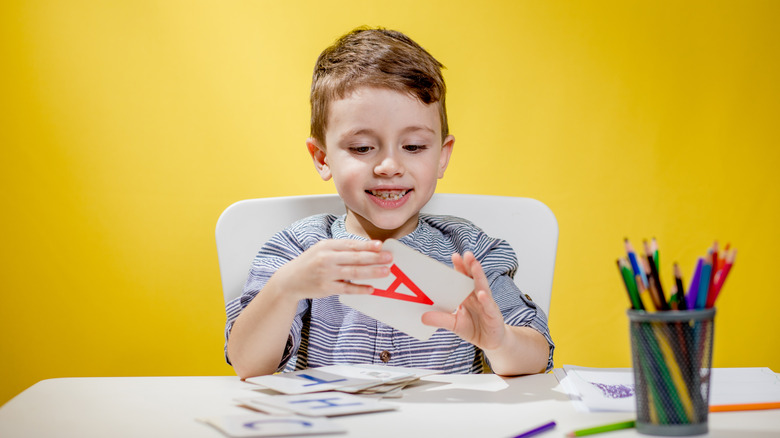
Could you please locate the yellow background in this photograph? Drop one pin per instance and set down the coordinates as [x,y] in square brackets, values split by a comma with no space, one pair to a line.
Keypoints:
[128,126]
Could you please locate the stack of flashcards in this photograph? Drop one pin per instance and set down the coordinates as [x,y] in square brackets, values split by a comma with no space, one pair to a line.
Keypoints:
[416,284]
[307,397]
[356,379]
[316,404]
[646,292]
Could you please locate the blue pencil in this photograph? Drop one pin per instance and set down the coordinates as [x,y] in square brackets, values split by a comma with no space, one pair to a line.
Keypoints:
[704,282]
[635,265]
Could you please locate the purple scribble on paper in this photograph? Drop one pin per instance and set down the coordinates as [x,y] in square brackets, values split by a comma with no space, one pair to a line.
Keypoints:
[615,391]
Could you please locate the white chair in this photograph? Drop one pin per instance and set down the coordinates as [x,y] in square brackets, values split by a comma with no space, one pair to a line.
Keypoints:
[527,224]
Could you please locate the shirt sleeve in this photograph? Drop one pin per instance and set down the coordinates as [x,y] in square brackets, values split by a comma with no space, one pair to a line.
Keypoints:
[500,264]
[279,250]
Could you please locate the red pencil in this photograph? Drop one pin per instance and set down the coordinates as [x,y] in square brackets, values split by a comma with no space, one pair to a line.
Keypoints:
[721,277]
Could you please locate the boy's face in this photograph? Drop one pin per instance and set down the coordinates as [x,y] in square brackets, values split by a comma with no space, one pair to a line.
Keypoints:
[384,153]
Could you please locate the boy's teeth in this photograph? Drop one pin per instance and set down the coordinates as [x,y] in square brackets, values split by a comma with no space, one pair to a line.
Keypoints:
[389,195]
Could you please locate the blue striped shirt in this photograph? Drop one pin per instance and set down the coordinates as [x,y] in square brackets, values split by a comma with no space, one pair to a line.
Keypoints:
[326,332]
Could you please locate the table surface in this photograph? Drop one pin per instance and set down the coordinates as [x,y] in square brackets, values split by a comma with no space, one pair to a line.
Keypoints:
[478,405]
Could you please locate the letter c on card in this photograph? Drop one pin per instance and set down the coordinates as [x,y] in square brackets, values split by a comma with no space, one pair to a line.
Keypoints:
[254,424]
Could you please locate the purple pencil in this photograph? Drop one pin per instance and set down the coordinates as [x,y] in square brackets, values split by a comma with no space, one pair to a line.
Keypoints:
[537,430]
[693,290]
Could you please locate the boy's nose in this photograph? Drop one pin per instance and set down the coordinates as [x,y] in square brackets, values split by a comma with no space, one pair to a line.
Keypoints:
[388,165]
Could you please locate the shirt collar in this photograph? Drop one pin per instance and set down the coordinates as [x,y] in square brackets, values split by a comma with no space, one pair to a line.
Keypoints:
[339,230]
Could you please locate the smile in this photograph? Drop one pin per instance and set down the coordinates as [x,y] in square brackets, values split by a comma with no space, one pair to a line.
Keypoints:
[388,195]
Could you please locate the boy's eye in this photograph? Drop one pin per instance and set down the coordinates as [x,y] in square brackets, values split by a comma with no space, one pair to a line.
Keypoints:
[360,149]
[414,147]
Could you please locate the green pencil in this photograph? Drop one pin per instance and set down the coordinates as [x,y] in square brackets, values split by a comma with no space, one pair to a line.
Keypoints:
[605,428]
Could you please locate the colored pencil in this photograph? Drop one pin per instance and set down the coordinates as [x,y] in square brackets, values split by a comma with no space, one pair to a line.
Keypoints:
[537,430]
[704,281]
[673,298]
[628,281]
[680,391]
[714,262]
[604,428]
[745,407]
[657,300]
[635,265]
[654,279]
[681,302]
[693,289]
[654,248]
[647,302]
[715,257]
[721,277]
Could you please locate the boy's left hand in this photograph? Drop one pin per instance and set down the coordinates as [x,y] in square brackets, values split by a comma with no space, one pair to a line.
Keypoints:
[478,319]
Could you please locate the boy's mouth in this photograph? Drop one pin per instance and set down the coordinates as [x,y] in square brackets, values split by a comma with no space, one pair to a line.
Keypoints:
[389,195]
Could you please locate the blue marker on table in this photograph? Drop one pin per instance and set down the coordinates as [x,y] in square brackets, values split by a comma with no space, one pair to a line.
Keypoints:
[537,430]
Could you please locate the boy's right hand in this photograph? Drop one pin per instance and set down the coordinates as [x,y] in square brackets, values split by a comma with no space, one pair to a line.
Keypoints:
[328,267]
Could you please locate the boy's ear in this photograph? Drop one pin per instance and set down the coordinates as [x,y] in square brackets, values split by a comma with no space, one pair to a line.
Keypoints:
[446,152]
[320,158]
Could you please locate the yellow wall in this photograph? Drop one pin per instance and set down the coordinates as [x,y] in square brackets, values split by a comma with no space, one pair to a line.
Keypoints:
[128,126]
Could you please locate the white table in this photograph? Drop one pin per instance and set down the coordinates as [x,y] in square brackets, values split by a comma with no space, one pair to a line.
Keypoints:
[480,406]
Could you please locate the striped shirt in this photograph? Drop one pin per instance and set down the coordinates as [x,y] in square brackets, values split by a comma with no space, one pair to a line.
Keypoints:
[326,332]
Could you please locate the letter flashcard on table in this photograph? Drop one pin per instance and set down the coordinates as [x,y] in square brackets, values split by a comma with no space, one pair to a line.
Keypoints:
[348,378]
[320,404]
[309,380]
[260,425]
[416,284]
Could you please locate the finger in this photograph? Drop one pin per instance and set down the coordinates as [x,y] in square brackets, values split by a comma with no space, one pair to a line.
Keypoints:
[478,274]
[349,245]
[356,272]
[356,245]
[489,307]
[466,261]
[362,258]
[439,319]
[458,265]
[348,288]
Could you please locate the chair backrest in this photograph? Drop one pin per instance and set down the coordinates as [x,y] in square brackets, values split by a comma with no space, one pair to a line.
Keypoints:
[527,224]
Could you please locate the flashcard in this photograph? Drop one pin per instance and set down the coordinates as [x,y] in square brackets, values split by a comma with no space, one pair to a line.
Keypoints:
[416,284]
[389,377]
[351,378]
[320,404]
[309,380]
[259,425]
[378,375]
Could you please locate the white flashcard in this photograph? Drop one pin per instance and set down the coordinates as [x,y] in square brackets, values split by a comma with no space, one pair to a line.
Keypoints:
[259,425]
[389,377]
[417,284]
[321,404]
[373,375]
[311,380]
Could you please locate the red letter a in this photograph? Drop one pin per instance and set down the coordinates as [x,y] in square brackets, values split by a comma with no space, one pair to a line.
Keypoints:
[401,278]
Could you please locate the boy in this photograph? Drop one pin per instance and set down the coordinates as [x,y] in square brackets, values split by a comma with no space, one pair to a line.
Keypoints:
[379,130]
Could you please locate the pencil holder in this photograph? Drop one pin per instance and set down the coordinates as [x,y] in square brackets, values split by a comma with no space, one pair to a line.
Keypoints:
[672,357]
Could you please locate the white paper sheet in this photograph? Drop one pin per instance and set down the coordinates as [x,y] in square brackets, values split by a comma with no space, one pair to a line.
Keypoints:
[611,389]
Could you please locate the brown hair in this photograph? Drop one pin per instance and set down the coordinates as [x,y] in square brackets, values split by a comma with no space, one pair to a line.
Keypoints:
[374,57]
